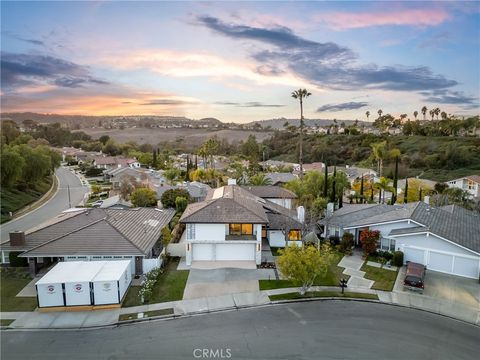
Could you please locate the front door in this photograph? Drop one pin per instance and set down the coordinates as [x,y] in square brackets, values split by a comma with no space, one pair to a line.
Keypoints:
[138,265]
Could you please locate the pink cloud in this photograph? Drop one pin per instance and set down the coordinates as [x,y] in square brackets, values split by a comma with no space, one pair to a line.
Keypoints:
[414,17]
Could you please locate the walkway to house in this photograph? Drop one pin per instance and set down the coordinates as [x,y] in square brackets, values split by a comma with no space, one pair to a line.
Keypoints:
[352,265]
[267,255]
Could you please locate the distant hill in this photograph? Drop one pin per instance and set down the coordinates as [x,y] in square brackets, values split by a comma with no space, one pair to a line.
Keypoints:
[278,123]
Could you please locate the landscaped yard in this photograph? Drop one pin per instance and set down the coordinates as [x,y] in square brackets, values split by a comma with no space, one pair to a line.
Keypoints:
[169,287]
[316,294]
[384,279]
[10,286]
[331,278]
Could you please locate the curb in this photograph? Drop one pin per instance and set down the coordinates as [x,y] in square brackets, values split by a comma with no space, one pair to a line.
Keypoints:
[228,309]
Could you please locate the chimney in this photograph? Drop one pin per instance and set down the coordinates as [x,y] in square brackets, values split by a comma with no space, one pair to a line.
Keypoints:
[426,199]
[232,182]
[301,214]
[330,208]
[17,238]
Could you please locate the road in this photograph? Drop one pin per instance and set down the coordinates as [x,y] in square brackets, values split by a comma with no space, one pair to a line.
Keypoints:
[311,330]
[53,207]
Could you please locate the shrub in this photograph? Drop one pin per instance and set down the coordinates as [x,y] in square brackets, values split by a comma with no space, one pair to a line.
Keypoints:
[387,255]
[397,259]
[92,172]
[334,240]
[369,240]
[181,204]
[346,243]
[168,197]
[16,261]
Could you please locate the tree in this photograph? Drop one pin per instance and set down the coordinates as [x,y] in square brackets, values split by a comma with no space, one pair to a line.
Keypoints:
[304,264]
[361,190]
[259,179]
[169,197]
[251,149]
[369,240]
[127,185]
[143,197]
[103,139]
[395,182]
[180,204]
[11,165]
[301,94]
[166,236]
[383,185]
[424,112]
[405,197]
[415,114]
[379,153]
[440,187]
[171,175]
[111,148]
[380,112]
[367,114]
[325,181]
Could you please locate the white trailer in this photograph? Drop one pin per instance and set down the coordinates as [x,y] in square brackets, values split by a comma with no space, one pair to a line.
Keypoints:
[50,288]
[78,284]
[111,283]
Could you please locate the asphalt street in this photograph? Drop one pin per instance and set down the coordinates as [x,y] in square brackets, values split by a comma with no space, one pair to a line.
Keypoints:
[311,330]
[53,207]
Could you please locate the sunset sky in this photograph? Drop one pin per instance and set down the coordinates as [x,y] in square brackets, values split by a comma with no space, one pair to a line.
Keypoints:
[240,61]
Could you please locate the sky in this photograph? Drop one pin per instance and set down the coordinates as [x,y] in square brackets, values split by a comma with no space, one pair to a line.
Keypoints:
[240,61]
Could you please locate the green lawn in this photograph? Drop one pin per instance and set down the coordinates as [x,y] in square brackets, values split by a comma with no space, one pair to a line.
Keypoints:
[331,278]
[10,286]
[316,294]
[384,279]
[146,314]
[169,287]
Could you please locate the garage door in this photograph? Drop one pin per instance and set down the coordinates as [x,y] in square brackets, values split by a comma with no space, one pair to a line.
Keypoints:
[202,252]
[414,255]
[235,251]
[466,267]
[440,262]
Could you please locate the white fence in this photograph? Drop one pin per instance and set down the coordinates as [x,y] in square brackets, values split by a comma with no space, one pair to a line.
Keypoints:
[176,249]
[150,264]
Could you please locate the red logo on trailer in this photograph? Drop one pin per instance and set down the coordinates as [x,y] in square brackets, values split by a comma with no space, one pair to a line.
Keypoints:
[50,288]
[78,287]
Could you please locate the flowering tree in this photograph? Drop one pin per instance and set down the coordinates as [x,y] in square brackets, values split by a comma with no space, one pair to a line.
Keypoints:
[369,240]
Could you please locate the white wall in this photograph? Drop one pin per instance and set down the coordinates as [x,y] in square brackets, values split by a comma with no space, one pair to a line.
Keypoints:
[50,295]
[287,203]
[276,238]
[431,242]
[209,232]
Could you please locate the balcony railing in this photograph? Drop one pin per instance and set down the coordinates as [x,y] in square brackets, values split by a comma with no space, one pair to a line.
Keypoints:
[241,237]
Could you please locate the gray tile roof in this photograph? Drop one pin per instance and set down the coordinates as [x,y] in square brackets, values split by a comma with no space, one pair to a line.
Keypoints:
[410,230]
[359,214]
[276,178]
[280,217]
[270,191]
[98,232]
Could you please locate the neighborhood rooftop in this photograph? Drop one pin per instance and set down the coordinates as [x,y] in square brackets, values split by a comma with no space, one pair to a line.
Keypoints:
[270,191]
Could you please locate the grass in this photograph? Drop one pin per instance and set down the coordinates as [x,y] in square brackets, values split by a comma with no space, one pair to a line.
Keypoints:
[320,294]
[384,279]
[331,278]
[6,322]
[146,314]
[169,287]
[10,286]
[14,199]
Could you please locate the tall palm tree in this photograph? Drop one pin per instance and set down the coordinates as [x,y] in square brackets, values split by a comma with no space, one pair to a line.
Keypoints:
[380,112]
[443,115]
[367,114]
[383,185]
[415,113]
[379,152]
[301,94]
[432,113]
[424,112]
[437,112]
[259,179]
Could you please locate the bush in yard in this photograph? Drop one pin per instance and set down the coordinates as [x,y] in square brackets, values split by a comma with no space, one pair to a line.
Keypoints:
[346,243]
[387,255]
[166,236]
[16,261]
[334,240]
[397,259]
[93,171]
[170,196]
[181,204]
[143,197]
[369,240]
[303,264]
[151,279]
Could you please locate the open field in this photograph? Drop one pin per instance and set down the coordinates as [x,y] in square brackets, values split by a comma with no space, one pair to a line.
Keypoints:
[192,137]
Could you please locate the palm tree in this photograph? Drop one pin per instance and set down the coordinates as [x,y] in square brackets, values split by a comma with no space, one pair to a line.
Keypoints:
[437,112]
[378,150]
[424,112]
[259,179]
[367,114]
[432,113]
[415,113]
[443,115]
[301,94]
[383,184]
[403,117]
[380,112]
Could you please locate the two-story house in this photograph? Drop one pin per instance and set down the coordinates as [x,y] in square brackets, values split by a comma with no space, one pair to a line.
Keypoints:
[471,184]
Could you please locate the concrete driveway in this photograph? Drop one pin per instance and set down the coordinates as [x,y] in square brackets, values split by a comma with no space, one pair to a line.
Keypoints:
[446,287]
[216,282]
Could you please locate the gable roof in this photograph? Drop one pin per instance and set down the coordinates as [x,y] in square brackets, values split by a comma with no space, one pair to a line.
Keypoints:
[270,191]
[98,232]
[276,178]
[227,204]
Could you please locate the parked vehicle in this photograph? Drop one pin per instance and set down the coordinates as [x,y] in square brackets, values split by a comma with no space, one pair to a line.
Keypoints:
[415,276]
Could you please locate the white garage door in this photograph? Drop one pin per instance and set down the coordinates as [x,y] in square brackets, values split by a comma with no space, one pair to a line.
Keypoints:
[466,267]
[414,255]
[235,251]
[202,252]
[440,262]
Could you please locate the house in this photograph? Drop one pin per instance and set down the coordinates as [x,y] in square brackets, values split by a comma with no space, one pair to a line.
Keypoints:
[445,239]
[279,179]
[273,165]
[115,202]
[116,175]
[275,194]
[471,184]
[230,224]
[110,162]
[93,234]
[197,191]
[316,166]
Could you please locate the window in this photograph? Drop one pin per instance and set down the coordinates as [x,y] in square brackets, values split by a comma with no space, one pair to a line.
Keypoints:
[191,231]
[240,229]
[294,235]
[386,244]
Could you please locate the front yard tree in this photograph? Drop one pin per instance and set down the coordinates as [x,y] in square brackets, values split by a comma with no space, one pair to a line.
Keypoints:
[169,197]
[181,204]
[369,240]
[303,264]
[144,197]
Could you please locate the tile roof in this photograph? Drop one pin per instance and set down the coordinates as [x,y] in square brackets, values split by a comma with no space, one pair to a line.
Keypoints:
[270,191]
[98,231]
[276,178]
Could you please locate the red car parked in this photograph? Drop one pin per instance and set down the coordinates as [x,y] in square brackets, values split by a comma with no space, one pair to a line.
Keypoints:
[414,279]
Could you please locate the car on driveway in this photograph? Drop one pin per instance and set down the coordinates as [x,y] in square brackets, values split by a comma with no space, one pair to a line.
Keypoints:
[415,277]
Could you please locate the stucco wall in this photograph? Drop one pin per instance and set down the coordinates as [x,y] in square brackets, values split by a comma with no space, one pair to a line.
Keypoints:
[276,238]
[209,232]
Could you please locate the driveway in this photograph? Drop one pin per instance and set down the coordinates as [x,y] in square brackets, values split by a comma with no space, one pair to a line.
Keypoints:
[216,282]
[446,287]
